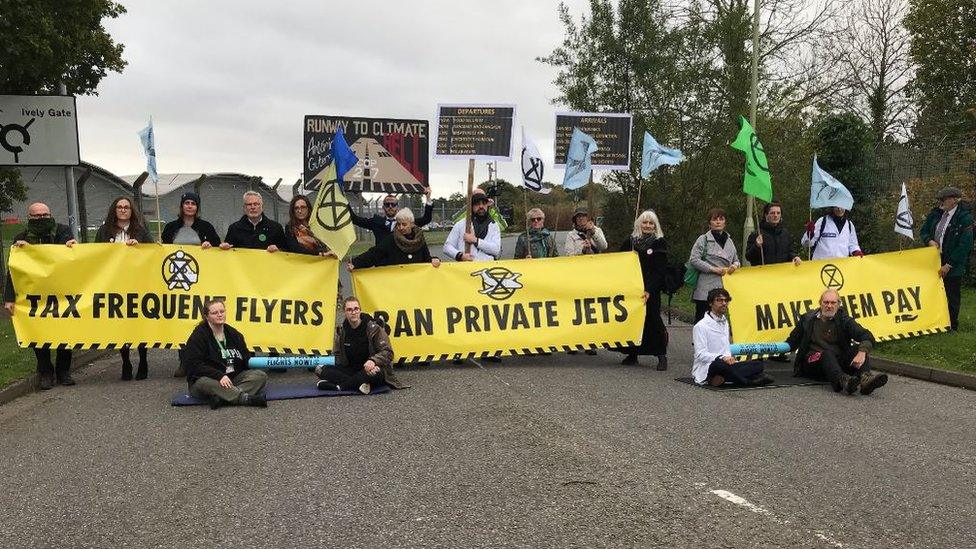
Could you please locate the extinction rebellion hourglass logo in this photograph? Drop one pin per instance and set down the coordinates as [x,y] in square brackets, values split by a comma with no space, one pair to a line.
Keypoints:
[180,270]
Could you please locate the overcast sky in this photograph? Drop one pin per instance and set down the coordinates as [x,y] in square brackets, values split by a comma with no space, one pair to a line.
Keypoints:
[228,82]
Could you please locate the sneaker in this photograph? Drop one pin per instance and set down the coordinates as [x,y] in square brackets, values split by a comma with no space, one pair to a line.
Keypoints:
[365,388]
[716,381]
[45,382]
[326,385]
[66,380]
[870,382]
[629,360]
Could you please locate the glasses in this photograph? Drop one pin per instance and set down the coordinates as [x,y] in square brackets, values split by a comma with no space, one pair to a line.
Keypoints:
[38,216]
[721,300]
[389,204]
[534,219]
[301,207]
[121,207]
[353,309]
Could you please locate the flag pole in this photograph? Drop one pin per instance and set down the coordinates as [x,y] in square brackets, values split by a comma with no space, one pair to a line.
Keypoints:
[762,253]
[640,185]
[525,217]
[159,221]
[809,219]
[468,218]
[754,99]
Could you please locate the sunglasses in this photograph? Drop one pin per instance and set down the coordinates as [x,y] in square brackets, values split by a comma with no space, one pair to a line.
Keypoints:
[537,219]
[389,204]
[353,309]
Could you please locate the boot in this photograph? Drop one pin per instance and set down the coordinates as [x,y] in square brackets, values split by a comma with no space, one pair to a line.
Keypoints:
[143,371]
[64,378]
[662,363]
[126,371]
[870,382]
[45,381]
[845,383]
[629,360]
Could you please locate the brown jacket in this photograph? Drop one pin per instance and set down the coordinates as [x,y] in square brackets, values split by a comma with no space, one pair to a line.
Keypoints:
[380,351]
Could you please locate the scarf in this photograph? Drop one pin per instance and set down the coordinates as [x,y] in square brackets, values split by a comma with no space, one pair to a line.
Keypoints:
[41,231]
[721,237]
[643,242]
[839,221]
[539,242]
[305,237]
[480,224]
[409,243]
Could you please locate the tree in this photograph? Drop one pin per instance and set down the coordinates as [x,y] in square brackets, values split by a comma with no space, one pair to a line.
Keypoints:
[943,39]
[49,42]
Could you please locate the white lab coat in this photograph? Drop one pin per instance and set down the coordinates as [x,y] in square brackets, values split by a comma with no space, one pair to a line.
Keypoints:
[831,243]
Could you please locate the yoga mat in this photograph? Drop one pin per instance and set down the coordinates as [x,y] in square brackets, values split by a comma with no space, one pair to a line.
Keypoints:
[783,378]
[263,362]
[283,391]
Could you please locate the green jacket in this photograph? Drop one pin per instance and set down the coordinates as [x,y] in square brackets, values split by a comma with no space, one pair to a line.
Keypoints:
[957,243]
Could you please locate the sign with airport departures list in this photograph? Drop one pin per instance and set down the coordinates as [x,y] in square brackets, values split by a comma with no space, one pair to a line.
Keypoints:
[475,131]
[611,131]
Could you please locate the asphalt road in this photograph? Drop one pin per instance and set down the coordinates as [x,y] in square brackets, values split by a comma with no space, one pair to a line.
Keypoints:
[559,451]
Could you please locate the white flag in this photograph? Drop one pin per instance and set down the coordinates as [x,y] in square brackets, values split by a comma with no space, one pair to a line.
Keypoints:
[904,224]
[533,168]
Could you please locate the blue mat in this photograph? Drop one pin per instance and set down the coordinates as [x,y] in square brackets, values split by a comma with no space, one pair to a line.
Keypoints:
[282,391]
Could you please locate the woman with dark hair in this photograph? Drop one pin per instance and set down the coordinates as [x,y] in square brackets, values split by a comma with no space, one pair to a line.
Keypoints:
[299,238]
[713,255]
[215,358]
[405,245]
[124,225]
[647,241]
[188,228]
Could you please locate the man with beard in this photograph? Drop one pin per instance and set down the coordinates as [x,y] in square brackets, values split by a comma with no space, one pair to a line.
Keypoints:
[485,237]
[586,237]
[714,363]
[43,229]
[771,243]
[831,345]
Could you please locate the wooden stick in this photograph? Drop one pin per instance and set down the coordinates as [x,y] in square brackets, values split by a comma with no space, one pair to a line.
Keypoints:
[468,220]
[809,218]
[525,200]
[640,185]
[762,254]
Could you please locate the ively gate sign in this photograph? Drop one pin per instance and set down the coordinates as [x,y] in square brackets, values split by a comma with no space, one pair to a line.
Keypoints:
[38,130]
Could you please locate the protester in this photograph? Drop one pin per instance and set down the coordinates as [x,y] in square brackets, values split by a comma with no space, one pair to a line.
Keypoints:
[485,237]
[363,356]
[382,225]
[542,243]
[405,245]
[299,238]
[949,227]
[771,243]
[647,241]
[254,230]
[831,236]
[189,228]
[831,345]
[712,336]
[215,359]
[713,255]
[585,238]
[124,224]
[43,229]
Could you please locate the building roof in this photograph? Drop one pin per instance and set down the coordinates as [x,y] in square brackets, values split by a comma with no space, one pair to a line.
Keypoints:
[170,182]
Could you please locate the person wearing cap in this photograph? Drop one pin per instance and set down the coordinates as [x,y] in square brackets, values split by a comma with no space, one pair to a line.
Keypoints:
[484,237]
[382,225]
[831,236]
[541,243]
[586,237]
[712,337]
[189,228]
[949,227]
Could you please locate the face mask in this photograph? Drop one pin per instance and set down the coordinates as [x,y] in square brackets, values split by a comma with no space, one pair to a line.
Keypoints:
[40,226]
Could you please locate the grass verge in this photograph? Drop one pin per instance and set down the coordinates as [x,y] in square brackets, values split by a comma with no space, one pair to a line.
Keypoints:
[15,363]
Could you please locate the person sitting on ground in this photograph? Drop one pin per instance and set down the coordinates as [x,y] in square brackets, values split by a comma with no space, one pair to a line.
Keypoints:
[405,245]
[824,343]
[541,243]
[215,359]
[363,356]
[714,363]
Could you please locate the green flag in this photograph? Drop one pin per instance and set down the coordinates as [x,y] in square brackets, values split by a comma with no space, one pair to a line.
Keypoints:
[755,180]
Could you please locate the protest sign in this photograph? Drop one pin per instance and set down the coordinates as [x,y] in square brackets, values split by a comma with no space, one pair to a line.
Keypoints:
[475,131]
[611,131]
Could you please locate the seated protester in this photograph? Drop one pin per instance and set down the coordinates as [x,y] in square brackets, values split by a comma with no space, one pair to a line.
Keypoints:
[299,238]
[405,245]
[189,228]
[215,358]
[714,362]
[542,243]
[831,345]
[363,356]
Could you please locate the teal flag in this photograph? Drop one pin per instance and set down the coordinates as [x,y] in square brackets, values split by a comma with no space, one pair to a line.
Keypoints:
[581,148]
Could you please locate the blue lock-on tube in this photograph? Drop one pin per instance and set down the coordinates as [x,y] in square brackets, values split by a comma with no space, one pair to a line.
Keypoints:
[264,362]
[778,348]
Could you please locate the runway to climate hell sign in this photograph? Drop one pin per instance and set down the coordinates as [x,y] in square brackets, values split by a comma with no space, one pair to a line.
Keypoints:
[506,307]
[106,295]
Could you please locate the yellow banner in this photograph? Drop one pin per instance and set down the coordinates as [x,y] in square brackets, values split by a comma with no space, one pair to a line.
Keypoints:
[895,295]
[106,295]
[506,307]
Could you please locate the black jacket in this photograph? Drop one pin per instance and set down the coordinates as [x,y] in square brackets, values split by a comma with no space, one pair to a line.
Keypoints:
[61,235]
[654,266]
[203,228]
[242,234]
[777,245]
[386,252]
[378,223]
[201,355]
[850,332]
[104,234]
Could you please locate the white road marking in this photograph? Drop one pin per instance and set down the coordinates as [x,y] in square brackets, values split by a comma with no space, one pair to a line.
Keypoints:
[743,502]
